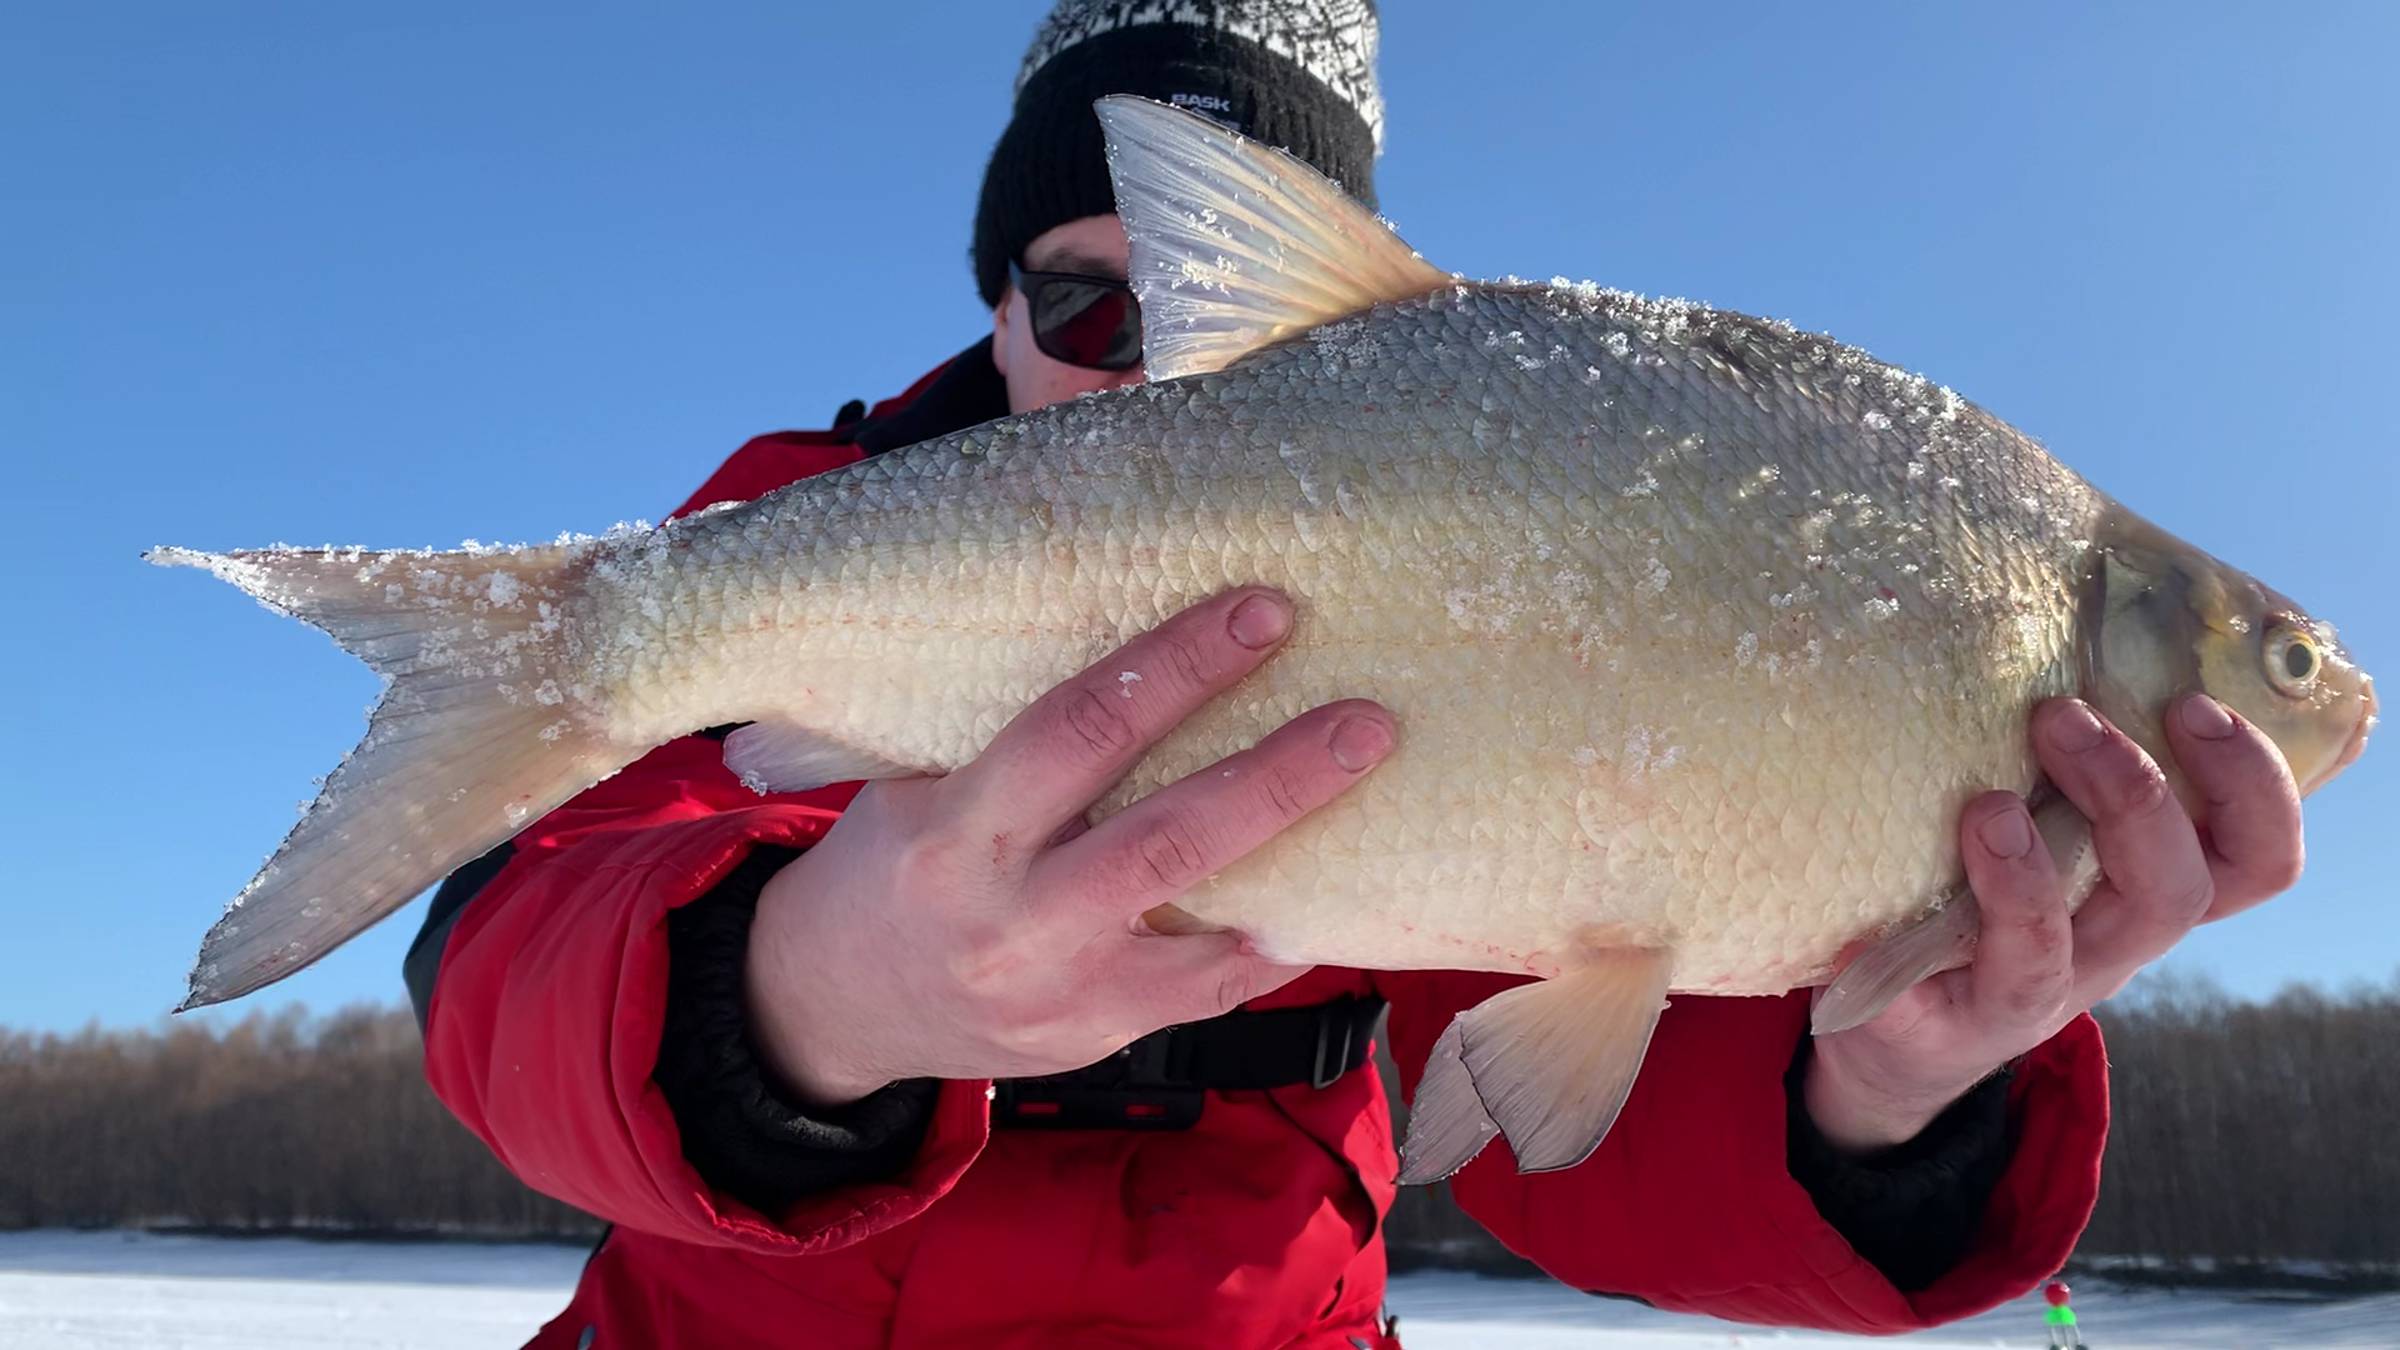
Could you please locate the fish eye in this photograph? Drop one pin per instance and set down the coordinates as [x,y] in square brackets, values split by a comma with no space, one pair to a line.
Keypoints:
[2293,662]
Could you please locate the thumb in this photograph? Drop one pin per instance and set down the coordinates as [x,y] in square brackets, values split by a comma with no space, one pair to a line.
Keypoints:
[1171,980]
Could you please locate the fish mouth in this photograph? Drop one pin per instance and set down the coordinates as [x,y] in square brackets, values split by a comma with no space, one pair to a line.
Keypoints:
[2357,745]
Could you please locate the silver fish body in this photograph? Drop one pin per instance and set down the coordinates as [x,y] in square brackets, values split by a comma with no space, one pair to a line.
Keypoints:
[1699,630]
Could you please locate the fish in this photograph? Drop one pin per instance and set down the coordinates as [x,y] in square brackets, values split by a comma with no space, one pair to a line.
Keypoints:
[1700,630]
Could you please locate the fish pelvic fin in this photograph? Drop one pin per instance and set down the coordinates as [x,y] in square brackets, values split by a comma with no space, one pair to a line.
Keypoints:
[776,756]
[1548,1065]
[1945,938]
[1238,245]
[482,727]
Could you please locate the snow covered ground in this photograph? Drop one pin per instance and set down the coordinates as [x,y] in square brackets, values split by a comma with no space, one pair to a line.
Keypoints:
[89,1291]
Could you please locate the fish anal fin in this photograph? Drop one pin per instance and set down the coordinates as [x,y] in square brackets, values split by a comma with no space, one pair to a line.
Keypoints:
[1944,938]
[1548,1065]
[1237,245]
[1447,1125]
[775,756]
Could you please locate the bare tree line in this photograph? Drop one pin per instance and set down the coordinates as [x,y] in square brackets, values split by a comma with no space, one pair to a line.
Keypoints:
[2245,1134]
[280,1122]
[2252,1134]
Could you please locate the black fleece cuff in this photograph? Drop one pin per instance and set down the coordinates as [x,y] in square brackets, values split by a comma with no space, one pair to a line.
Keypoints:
[740,1132]
[1911,1210]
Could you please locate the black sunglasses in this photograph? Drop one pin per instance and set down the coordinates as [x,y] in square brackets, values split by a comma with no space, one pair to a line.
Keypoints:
[1092,322]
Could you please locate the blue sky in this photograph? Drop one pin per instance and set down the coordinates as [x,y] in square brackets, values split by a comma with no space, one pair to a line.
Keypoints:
[408,275]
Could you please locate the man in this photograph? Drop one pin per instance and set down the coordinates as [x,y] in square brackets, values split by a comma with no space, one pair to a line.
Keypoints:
[761,1034]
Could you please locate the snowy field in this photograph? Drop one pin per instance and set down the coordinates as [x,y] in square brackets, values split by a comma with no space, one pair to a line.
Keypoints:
[88,1291]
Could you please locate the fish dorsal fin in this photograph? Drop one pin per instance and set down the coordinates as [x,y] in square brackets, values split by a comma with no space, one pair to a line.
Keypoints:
[1237,245]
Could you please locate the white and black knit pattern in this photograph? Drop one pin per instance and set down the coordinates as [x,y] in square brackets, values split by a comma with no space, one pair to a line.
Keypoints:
[1333,40]
[1295,74]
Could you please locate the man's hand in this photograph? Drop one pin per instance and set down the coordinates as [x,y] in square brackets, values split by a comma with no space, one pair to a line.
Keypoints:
[2036,969]
[968,926]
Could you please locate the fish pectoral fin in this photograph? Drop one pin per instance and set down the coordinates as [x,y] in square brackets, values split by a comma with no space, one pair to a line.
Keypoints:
[1922,947]
[1238,245]
[784,757]
[1945,938]
[1548,1065]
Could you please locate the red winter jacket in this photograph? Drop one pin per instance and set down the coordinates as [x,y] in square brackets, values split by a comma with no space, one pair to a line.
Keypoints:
[1261,1226]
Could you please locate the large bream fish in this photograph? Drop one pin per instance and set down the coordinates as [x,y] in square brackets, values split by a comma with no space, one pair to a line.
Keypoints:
[1700,632]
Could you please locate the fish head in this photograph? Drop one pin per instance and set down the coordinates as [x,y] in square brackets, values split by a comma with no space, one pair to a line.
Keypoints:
[2172,620]
[2288,675]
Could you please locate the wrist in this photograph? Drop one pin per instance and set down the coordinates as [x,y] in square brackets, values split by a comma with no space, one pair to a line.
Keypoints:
[807,1053]
[1861,1109]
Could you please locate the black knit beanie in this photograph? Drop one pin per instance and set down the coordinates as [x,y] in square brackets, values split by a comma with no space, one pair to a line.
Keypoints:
[1299,74]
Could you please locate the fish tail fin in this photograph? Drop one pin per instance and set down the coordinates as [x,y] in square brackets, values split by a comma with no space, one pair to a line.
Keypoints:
[1548,1065]
[482,726]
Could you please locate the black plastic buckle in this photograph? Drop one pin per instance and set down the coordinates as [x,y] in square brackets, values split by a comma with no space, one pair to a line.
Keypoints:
[1327,1069]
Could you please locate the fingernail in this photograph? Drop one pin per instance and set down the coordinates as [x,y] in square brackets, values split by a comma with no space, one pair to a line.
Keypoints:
[2205,718]
[2075,727]
[2008,834]
[1360,741]
[1260,621]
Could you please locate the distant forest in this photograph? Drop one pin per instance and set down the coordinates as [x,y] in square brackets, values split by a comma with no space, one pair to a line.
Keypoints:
[2246,1136]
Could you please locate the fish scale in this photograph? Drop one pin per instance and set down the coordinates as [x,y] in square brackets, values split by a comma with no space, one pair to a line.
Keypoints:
[1699,630]
[1605,568]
